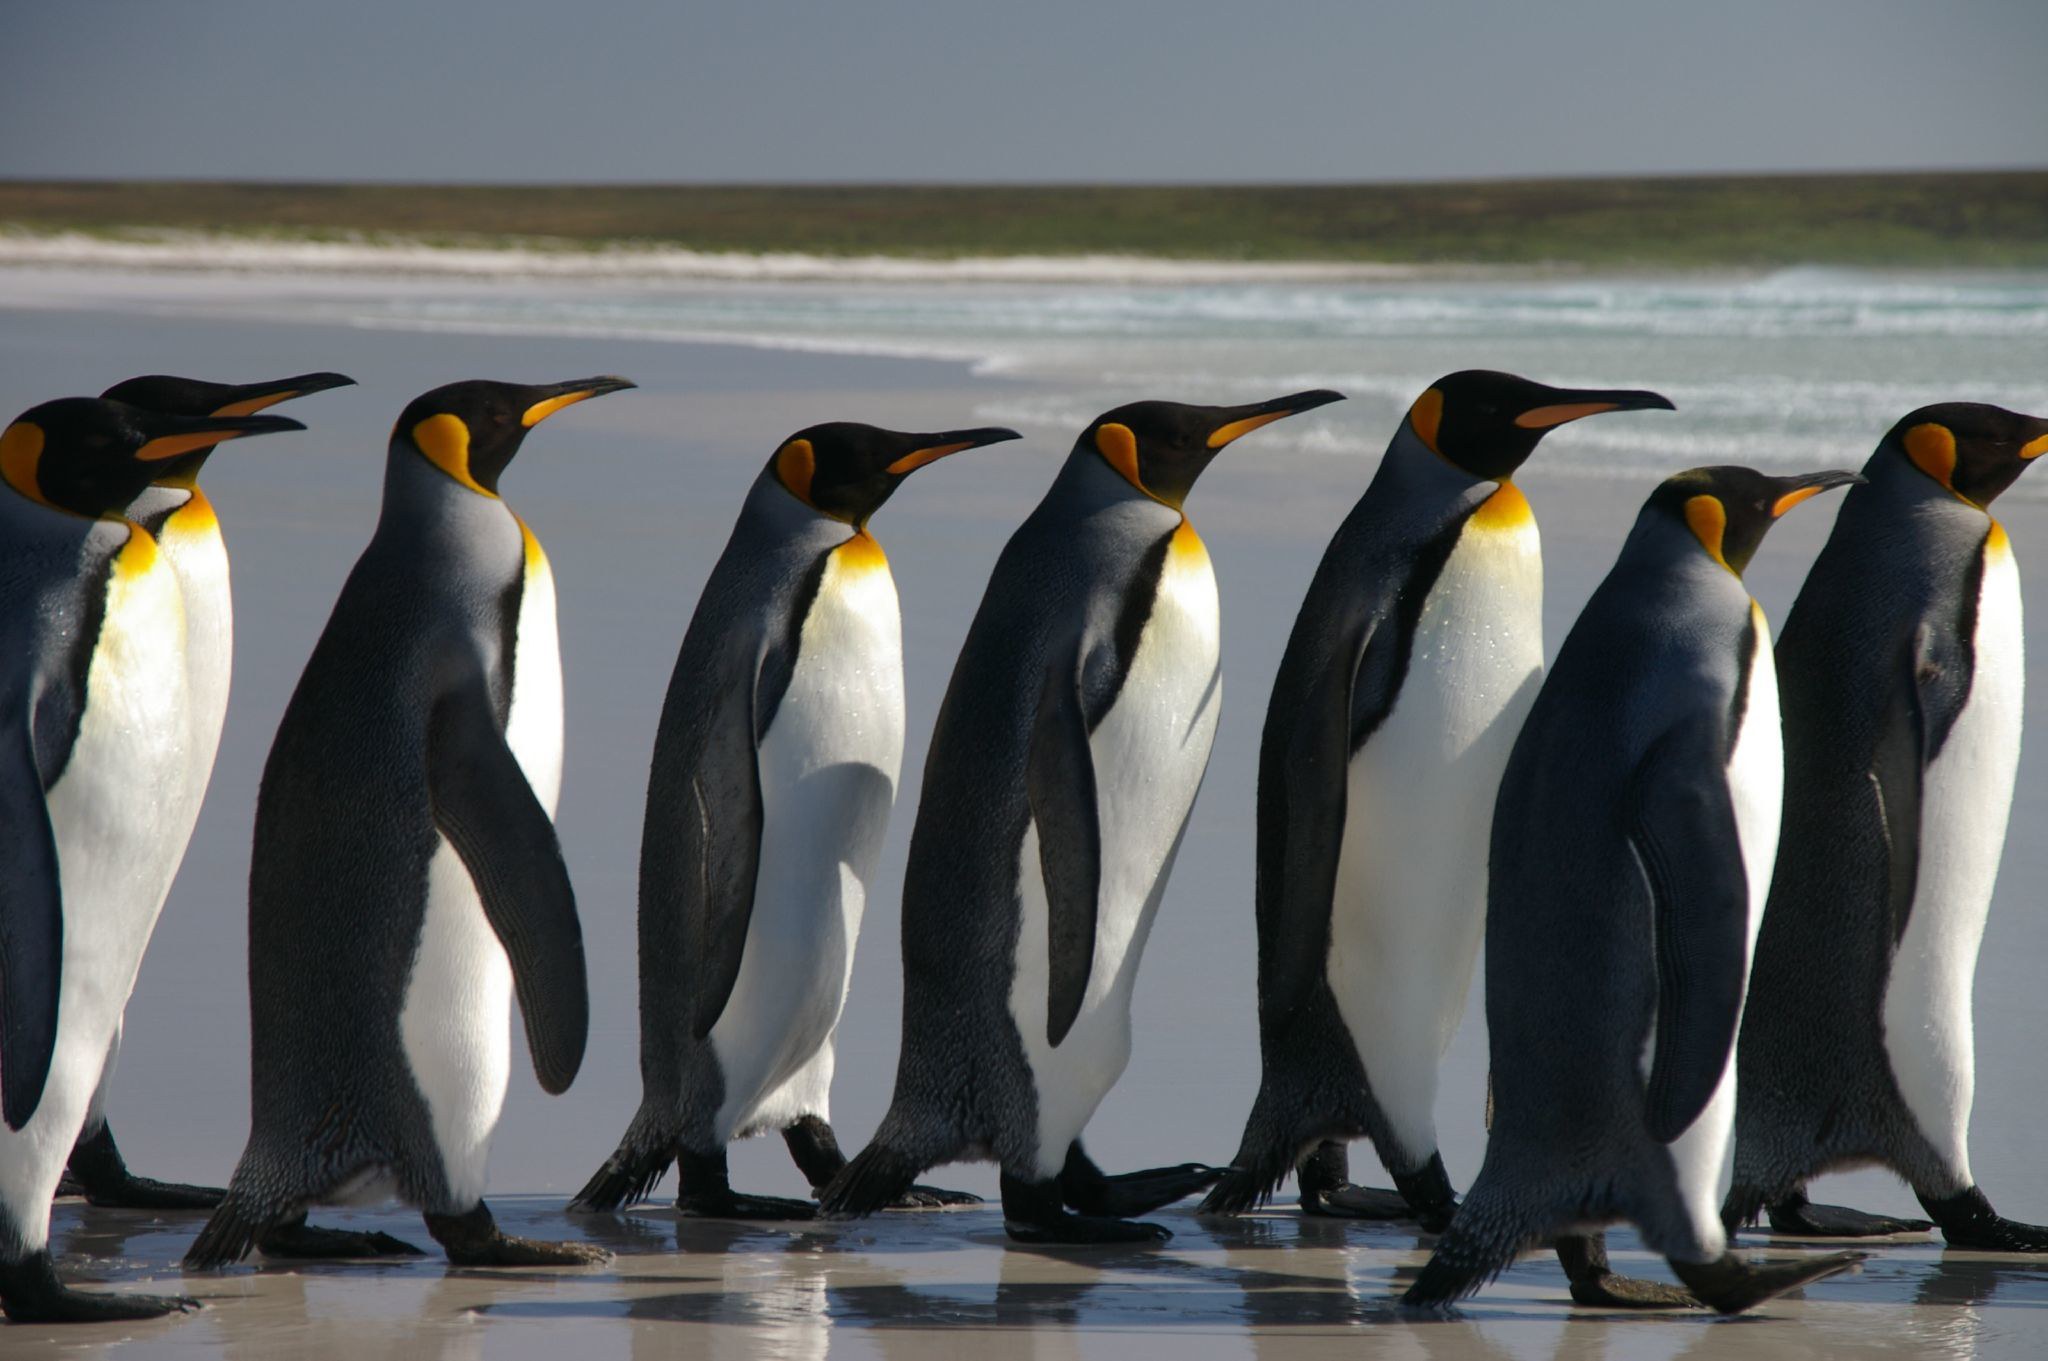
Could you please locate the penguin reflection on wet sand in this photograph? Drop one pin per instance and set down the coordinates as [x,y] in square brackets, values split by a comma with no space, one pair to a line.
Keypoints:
[1066,758]
[1417,651]
[1632,844]
[774,770]
[406,879]
[177,513]
[1902,666]
[95,751]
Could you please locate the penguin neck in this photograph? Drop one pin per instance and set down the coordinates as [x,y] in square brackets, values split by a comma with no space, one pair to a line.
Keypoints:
[1903,493]
[1660,549]
[1416,474]
[425,504]
[1087,485]
[159,503]
[774,514]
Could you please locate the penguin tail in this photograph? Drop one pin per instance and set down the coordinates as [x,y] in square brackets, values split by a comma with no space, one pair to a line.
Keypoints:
[1489,1231]
[879,1176]
[641,1160]
[1268,1152]
[231,1233]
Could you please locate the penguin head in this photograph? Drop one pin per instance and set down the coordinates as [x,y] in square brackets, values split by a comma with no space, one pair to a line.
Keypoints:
[1162,447]
[846,470]
[471,430]
[1974,450]
[91,457]
[1729,509]
[1487,424]
[196,397]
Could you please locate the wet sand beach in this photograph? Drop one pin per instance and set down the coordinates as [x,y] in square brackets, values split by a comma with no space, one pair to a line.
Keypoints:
[633,498]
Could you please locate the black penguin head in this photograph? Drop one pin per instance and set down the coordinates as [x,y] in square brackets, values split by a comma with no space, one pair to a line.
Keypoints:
[196,397]
[1162,447]
[92,457]
[846,470]
[1730,509]
[1487,424]
[471,430]
[1974,450]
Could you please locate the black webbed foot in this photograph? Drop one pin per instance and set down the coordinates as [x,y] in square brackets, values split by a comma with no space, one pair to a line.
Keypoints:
[1594,1283]
[474,1239]
[1797,1215]
[1035,1212]
[298,1240]
[1729,1285]
[1088,1189]
[31,1293]
[1968,1221]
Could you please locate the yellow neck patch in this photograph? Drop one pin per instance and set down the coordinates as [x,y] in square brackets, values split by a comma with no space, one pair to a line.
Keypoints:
[1425,416]
[796,464]
[1932,448]
[444,439]
[194,517]
[21,453]
[1506,509]
[861,554]
[1187,544]
[138,555]
[1119,449]
[1707,518]
[1996,544]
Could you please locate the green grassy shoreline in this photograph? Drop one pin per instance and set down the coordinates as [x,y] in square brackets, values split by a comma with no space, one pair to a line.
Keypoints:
[1896,220]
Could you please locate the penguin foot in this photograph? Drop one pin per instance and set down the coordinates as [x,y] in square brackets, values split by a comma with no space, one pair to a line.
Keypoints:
[932,1198]
[1087,1188]
[1594,1283]
[31,1293]
[729,1204]
[1797,1215]
[474,1239]
[1350,1201]
[299,1240]
[99,1173]
[1729,1285]
[1086,1229]
[1035,1212]
[146,1193]
[1968,1221]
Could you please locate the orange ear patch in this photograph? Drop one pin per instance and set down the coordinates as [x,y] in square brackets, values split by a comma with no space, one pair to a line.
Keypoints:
[1707,518]
[21,452]
[1932,448]
[796,463]
[1119,449]
[444,439]
[1426,415]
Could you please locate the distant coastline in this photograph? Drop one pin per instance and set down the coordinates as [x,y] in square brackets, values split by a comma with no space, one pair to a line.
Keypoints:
[1173,234]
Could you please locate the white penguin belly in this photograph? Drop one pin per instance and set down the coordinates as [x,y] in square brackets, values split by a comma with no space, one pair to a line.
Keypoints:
[456,1025]
[1410,903]
[1149,752]
[829,764]
[1966,796]
[1756,784]
[112,812]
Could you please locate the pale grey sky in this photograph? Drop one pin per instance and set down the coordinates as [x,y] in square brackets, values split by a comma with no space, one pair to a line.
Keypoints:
[1097,90]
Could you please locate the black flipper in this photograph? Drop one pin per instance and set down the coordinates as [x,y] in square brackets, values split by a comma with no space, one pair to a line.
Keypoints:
[724,829]
[486,809]
[1295,920]
[1686,836]
[31,929]
[1059,782]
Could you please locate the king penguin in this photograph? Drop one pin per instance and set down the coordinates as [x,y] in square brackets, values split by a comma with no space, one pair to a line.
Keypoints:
[1632,843]
[181,519]
[95,748]
[1902,666]
[1073,737]
[405,879]
[1417,652]
[774,770]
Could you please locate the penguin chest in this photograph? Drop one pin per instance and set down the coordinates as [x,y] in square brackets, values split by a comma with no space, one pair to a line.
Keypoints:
[1966,796]
[191,541]
[117,818]
[1410,901]
[1149,751]
[828,766]
[533,727]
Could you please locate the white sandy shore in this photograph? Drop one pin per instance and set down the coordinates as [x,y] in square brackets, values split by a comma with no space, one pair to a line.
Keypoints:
[401,256]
